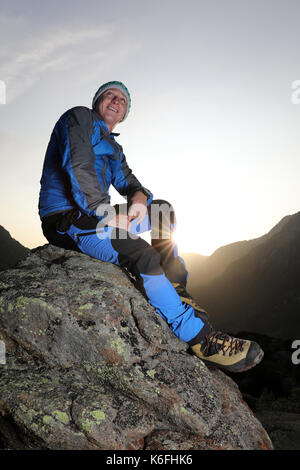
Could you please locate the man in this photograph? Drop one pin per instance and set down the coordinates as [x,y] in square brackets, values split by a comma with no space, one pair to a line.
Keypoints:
[82,160]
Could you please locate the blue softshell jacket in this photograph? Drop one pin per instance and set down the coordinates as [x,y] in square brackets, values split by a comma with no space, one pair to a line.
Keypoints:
[82,160]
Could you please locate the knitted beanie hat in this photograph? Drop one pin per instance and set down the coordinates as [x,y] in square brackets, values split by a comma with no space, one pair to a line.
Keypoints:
[120,86]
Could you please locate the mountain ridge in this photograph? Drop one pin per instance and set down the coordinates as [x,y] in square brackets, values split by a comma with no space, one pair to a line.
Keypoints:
[11,251]
[215,264]
[256,290]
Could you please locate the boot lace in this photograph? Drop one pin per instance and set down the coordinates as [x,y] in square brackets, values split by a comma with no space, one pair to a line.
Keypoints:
[217,342]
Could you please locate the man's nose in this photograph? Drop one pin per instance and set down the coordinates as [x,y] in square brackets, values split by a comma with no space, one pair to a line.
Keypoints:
[115,99]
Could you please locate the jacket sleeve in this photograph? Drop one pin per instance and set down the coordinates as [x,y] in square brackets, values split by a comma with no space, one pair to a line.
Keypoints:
[74,133]
[127,184]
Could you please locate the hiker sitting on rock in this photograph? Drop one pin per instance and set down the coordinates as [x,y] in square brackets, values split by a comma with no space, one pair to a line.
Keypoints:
[82,160]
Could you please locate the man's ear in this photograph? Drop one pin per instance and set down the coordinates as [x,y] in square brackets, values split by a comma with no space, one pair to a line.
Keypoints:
[97,104]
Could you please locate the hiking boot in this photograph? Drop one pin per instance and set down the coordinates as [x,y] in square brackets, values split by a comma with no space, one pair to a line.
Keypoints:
[228,353]
[188,299]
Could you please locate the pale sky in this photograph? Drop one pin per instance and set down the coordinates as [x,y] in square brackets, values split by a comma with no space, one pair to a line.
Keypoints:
[213,126]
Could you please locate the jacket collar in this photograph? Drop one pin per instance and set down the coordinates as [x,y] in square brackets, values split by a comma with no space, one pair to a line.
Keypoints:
[104,128]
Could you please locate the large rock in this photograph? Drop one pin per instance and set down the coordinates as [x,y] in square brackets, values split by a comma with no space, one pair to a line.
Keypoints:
[91,365]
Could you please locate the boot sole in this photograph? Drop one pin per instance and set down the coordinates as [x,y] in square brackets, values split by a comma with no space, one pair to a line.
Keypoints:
[236,368]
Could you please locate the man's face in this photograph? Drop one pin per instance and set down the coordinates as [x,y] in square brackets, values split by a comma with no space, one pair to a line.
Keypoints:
[112,107]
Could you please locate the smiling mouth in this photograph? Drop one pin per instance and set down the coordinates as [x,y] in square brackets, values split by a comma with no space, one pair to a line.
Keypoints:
[112,109]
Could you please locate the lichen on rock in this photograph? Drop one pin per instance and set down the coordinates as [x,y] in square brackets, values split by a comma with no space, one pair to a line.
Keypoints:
[91,365]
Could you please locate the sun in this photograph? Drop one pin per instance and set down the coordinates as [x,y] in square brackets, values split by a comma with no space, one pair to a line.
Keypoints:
[193,242]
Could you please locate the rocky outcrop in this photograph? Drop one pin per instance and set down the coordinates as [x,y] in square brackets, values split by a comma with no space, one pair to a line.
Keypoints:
[91,365]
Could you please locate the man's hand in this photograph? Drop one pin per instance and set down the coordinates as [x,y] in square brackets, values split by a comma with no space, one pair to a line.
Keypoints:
[138,207]
[137,210]
[120,221]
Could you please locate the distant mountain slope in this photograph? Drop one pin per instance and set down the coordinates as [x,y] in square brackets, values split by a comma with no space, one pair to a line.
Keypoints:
[193,262]
[11,251]
[260,290]
[204,270]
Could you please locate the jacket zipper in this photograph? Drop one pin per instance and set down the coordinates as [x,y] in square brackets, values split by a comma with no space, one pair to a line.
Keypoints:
[85,234]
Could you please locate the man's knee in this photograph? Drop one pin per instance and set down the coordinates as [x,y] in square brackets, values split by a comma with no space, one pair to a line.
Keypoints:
[162,205]
[136,254]
[162,218]
[149,262]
